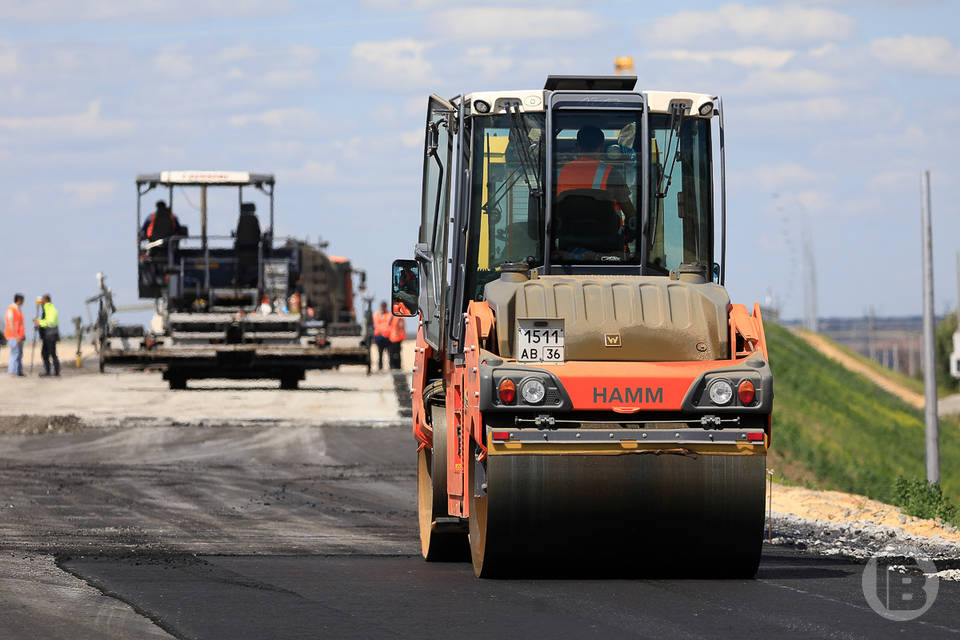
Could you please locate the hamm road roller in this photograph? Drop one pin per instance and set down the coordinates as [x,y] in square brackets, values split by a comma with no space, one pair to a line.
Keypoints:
[585,395]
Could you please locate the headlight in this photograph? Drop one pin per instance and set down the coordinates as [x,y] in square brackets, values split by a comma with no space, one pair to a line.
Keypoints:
[532,391]
[721,392]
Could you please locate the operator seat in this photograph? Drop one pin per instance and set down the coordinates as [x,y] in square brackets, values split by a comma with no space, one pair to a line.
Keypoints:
[588,219]
[247,246]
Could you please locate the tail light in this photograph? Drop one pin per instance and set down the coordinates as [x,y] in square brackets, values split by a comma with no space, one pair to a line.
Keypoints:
[507,391]
[746,392]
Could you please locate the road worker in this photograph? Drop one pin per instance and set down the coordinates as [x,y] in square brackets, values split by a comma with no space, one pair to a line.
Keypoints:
[589,171]
[15,333]
[381,332]
[398,333]
[161,224]
[49,335]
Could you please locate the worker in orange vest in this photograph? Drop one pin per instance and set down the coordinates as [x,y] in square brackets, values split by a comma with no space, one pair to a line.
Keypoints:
[398,333]
[589,171]
[15,332]
[161,224]
[381,332]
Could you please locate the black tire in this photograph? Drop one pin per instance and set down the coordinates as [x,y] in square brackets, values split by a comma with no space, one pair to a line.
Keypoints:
[437,545]
[289,381]
[483,565]
[177,382]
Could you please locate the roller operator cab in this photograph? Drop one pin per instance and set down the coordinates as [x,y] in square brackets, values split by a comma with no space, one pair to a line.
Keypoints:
[585,394]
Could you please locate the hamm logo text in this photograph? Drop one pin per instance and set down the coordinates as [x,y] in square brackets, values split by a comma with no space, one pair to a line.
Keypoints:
[647,395]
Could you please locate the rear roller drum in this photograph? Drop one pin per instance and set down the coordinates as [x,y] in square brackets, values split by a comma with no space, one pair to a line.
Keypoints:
[632,514]
[442,538]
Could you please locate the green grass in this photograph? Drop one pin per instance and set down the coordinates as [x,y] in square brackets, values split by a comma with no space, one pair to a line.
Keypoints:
[834,429]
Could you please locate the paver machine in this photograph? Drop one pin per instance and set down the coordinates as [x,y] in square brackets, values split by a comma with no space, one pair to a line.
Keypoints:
[585,395]
[243,305]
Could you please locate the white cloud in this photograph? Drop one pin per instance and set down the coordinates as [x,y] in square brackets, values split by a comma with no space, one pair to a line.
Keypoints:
[311,172]
[798,81]
[286,118]
[173,63]
[491,62]
[236,53]
[893,180]
[89,123]
[289,78]
[780,24]
[501,23]
[923,54]
[412,139]
[748,57]
[66,11]
[87,193]
[771,177]
[395,62]
[9,60]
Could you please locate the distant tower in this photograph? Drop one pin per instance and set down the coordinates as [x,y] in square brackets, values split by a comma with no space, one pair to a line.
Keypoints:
[809,281]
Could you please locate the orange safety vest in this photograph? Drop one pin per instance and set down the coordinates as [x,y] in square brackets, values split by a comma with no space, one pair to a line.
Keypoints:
[583,174]
[153,219]
[14,329]
[398,329]
[381,323]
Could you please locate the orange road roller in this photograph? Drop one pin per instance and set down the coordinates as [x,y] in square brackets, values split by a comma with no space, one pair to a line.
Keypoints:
[585,395]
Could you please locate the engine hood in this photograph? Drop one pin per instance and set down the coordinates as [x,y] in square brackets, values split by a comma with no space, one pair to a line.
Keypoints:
[657,319]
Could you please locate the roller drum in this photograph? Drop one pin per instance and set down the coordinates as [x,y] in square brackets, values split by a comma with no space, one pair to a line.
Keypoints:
[613,514]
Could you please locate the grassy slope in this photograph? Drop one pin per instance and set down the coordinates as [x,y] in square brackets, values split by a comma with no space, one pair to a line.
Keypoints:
[913,384]
[834,429]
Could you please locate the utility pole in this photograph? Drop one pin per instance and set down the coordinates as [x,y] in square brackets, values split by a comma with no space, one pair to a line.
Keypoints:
[929,363]
[810,314]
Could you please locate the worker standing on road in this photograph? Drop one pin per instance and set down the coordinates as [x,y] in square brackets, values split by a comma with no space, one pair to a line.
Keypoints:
[15,333]
[49,335]
[398,333]
[381,332]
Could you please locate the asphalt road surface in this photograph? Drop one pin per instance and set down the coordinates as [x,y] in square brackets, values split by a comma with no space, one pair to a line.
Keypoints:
[241,525]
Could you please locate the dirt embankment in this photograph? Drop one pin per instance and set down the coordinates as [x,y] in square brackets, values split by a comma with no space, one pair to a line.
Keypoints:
[836,506]
[826,348]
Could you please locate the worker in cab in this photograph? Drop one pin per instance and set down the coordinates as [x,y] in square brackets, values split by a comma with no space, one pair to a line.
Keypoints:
[590,171]
[49,326]
[381,332]
[161,224]
[15,333]
[398,333]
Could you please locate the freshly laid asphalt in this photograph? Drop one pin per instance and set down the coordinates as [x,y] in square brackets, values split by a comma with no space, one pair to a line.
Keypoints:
[357,596]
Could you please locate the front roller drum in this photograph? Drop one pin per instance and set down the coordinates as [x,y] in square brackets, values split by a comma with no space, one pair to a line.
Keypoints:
[630,514]
[442,538]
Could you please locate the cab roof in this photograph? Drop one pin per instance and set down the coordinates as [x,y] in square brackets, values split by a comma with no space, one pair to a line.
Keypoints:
[224,178]
[533,100]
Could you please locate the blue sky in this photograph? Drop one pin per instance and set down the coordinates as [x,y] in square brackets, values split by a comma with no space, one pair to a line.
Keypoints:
[833,110]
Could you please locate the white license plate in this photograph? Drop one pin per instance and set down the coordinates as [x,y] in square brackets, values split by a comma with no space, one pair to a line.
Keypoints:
[540,340]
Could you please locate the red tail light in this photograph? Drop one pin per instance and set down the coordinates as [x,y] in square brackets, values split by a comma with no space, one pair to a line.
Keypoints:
[501,435]
[507,391]
[746,392]
[755,436]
